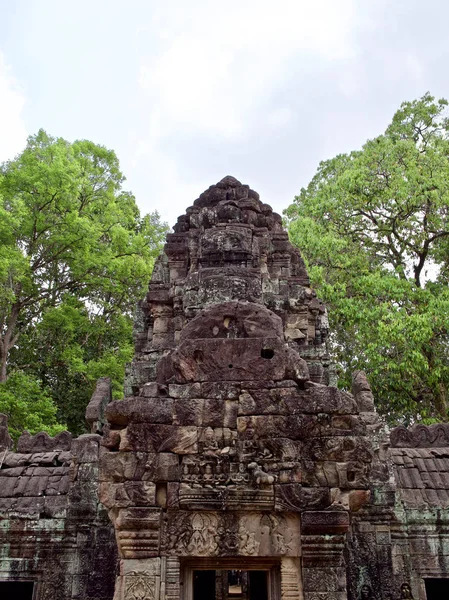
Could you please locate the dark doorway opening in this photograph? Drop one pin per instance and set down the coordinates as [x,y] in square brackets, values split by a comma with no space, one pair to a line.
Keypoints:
[16,590]
[203,585]
[231,584]
[437,589]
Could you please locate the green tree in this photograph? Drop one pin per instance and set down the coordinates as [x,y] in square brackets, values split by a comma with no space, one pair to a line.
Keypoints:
[28,406]
[373,226]
[75,255]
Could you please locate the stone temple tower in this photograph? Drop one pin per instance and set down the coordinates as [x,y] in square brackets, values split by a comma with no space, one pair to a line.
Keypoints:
[234,469]
[232,456]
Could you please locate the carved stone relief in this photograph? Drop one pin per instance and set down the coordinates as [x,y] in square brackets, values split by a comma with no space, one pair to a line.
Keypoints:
[245,534]
[139,586]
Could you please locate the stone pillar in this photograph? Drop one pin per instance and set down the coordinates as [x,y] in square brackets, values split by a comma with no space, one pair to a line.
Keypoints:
[142,571]
[323,540]
[139,580]
[172,578]
[291,587]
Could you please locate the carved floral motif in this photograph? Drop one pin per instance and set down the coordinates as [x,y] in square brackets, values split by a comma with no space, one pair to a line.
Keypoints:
[139,585]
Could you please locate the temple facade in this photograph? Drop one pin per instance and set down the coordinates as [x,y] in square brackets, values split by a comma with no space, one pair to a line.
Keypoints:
[233,468]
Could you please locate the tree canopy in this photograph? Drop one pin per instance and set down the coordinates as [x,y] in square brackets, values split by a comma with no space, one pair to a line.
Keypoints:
[75,256]
[373,226]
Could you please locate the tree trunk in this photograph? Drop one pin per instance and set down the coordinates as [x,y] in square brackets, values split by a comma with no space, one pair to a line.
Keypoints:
[8,341]
[3,357]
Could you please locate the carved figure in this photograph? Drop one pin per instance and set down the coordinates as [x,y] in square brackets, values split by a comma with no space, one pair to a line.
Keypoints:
[365,592]
[406,592]
[259,477]
[219,474]
[248,543]
[208,476]
[210,443]
[250,445]
[202,540]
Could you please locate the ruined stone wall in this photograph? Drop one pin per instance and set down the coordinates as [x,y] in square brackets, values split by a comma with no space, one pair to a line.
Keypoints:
[402,537]
[53,530]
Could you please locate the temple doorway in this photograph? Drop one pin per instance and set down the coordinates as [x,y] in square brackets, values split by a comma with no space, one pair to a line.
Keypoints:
[437,589]
[227,579]
[17,590]
[233,584]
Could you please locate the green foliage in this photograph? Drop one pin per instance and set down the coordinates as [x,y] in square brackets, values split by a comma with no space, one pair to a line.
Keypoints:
[75,256]
[28,406]
[373,227]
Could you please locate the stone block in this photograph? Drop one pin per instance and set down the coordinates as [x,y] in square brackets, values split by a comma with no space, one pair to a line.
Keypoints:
[243,319]
[294,427]
[113,495]
[140,410]
[324,522]
[111,437]
[95,409]
[150,390]
[55,507]
[173,495]
[30,506]
[7,487]
[189,412]
[230,413]
[87,472]
[294,497]
[121,466]
[35,486]
[188,390]
[12,472]
[139,519]
[166,467]
[353,475]
[85,448]
[57,485]
[160,438]
[328,580]
[358,499]
[42,442]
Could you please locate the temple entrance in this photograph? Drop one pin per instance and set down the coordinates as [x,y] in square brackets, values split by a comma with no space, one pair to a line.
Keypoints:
[233,584]
[228,579]
[436,589]
[17,590]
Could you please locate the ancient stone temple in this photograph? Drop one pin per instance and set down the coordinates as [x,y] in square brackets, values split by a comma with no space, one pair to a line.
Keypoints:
[234,468]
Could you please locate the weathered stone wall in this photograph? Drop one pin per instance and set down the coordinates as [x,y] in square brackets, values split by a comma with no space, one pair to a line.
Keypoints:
[53,530]
[402,537]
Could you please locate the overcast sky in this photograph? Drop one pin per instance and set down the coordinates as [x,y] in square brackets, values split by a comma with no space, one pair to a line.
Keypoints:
[188,91]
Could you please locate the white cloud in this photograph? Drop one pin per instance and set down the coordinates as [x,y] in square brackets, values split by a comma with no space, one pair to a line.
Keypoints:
[217,66]
[414,66]
[214,71]
[13,132]
[279,117]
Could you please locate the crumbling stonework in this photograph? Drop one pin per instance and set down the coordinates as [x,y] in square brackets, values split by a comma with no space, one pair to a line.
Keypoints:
[232,444]
[232,449]
[53,530]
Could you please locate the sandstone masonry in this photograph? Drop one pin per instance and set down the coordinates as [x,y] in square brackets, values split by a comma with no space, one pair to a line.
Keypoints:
[233,449]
